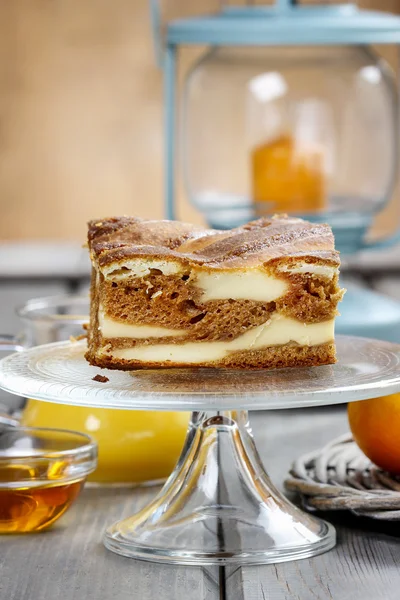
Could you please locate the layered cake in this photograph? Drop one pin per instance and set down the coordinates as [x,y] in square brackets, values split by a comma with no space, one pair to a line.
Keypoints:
[169,294]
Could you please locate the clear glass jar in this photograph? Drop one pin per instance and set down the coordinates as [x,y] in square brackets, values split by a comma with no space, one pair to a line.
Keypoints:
[306,130]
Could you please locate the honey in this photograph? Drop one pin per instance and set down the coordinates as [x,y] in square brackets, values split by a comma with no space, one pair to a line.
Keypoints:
[33,506]
[290,177]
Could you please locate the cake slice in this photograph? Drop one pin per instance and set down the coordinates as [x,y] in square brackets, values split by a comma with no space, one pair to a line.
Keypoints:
[169,294]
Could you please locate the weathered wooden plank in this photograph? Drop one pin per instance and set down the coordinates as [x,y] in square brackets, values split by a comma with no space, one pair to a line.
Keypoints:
[70,562]
[363,566]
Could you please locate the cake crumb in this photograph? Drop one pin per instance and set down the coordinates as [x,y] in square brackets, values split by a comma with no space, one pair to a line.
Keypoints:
[100,378]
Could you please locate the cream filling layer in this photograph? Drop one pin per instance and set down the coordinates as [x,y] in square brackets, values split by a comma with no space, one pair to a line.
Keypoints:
[278,330]
[327,271]
[253,284]
[140,268]
[110,328]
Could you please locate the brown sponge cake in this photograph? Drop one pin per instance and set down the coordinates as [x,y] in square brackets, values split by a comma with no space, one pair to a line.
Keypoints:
[169,294]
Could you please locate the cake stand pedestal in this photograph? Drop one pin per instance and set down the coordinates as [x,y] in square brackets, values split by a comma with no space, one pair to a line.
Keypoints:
[219,505]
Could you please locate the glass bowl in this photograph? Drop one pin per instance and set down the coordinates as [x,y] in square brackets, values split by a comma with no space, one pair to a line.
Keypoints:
[42,472]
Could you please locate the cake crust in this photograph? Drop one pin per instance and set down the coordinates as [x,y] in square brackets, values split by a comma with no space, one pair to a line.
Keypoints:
[261,241]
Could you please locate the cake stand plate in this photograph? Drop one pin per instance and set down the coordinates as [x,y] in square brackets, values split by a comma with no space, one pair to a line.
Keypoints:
[219,505]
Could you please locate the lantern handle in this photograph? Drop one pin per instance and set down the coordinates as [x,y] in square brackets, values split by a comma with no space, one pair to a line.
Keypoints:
[156,26]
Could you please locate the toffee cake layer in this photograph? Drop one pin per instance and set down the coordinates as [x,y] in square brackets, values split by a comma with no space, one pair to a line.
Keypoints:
[169,294]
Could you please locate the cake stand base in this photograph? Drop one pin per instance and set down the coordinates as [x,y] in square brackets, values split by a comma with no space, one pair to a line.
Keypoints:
[219,506]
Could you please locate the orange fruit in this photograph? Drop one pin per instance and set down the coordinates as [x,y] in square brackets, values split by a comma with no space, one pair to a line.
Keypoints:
[375,425]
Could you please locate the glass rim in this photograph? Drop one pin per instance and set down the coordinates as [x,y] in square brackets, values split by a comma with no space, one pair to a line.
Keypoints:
[88,448]
[28,310]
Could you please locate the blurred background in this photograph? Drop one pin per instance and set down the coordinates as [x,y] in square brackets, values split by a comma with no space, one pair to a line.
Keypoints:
[81,113]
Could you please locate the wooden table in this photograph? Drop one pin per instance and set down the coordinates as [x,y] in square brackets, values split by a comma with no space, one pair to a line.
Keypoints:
[70,563]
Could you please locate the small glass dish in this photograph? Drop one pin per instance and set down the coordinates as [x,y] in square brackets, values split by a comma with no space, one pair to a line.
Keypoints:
[42,472]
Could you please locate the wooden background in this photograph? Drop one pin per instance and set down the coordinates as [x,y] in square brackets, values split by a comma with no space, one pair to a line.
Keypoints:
[81,114]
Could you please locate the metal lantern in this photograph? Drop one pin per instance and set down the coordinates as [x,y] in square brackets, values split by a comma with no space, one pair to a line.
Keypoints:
[288,110]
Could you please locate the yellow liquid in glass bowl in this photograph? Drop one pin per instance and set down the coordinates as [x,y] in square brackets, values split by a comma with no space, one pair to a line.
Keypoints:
[134,446]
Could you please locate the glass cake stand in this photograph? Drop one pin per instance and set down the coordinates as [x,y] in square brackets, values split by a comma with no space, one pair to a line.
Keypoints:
[219,505]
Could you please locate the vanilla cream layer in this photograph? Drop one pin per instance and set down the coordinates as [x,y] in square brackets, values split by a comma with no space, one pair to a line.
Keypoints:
[327,271]
[111,328]
[140,268]
[276,331]
[253,284]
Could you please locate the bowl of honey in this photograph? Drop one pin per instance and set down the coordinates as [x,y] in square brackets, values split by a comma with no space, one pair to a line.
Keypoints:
[42,472]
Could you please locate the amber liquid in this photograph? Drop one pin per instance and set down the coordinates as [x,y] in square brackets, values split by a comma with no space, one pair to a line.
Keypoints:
[292,179]
[27,509]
